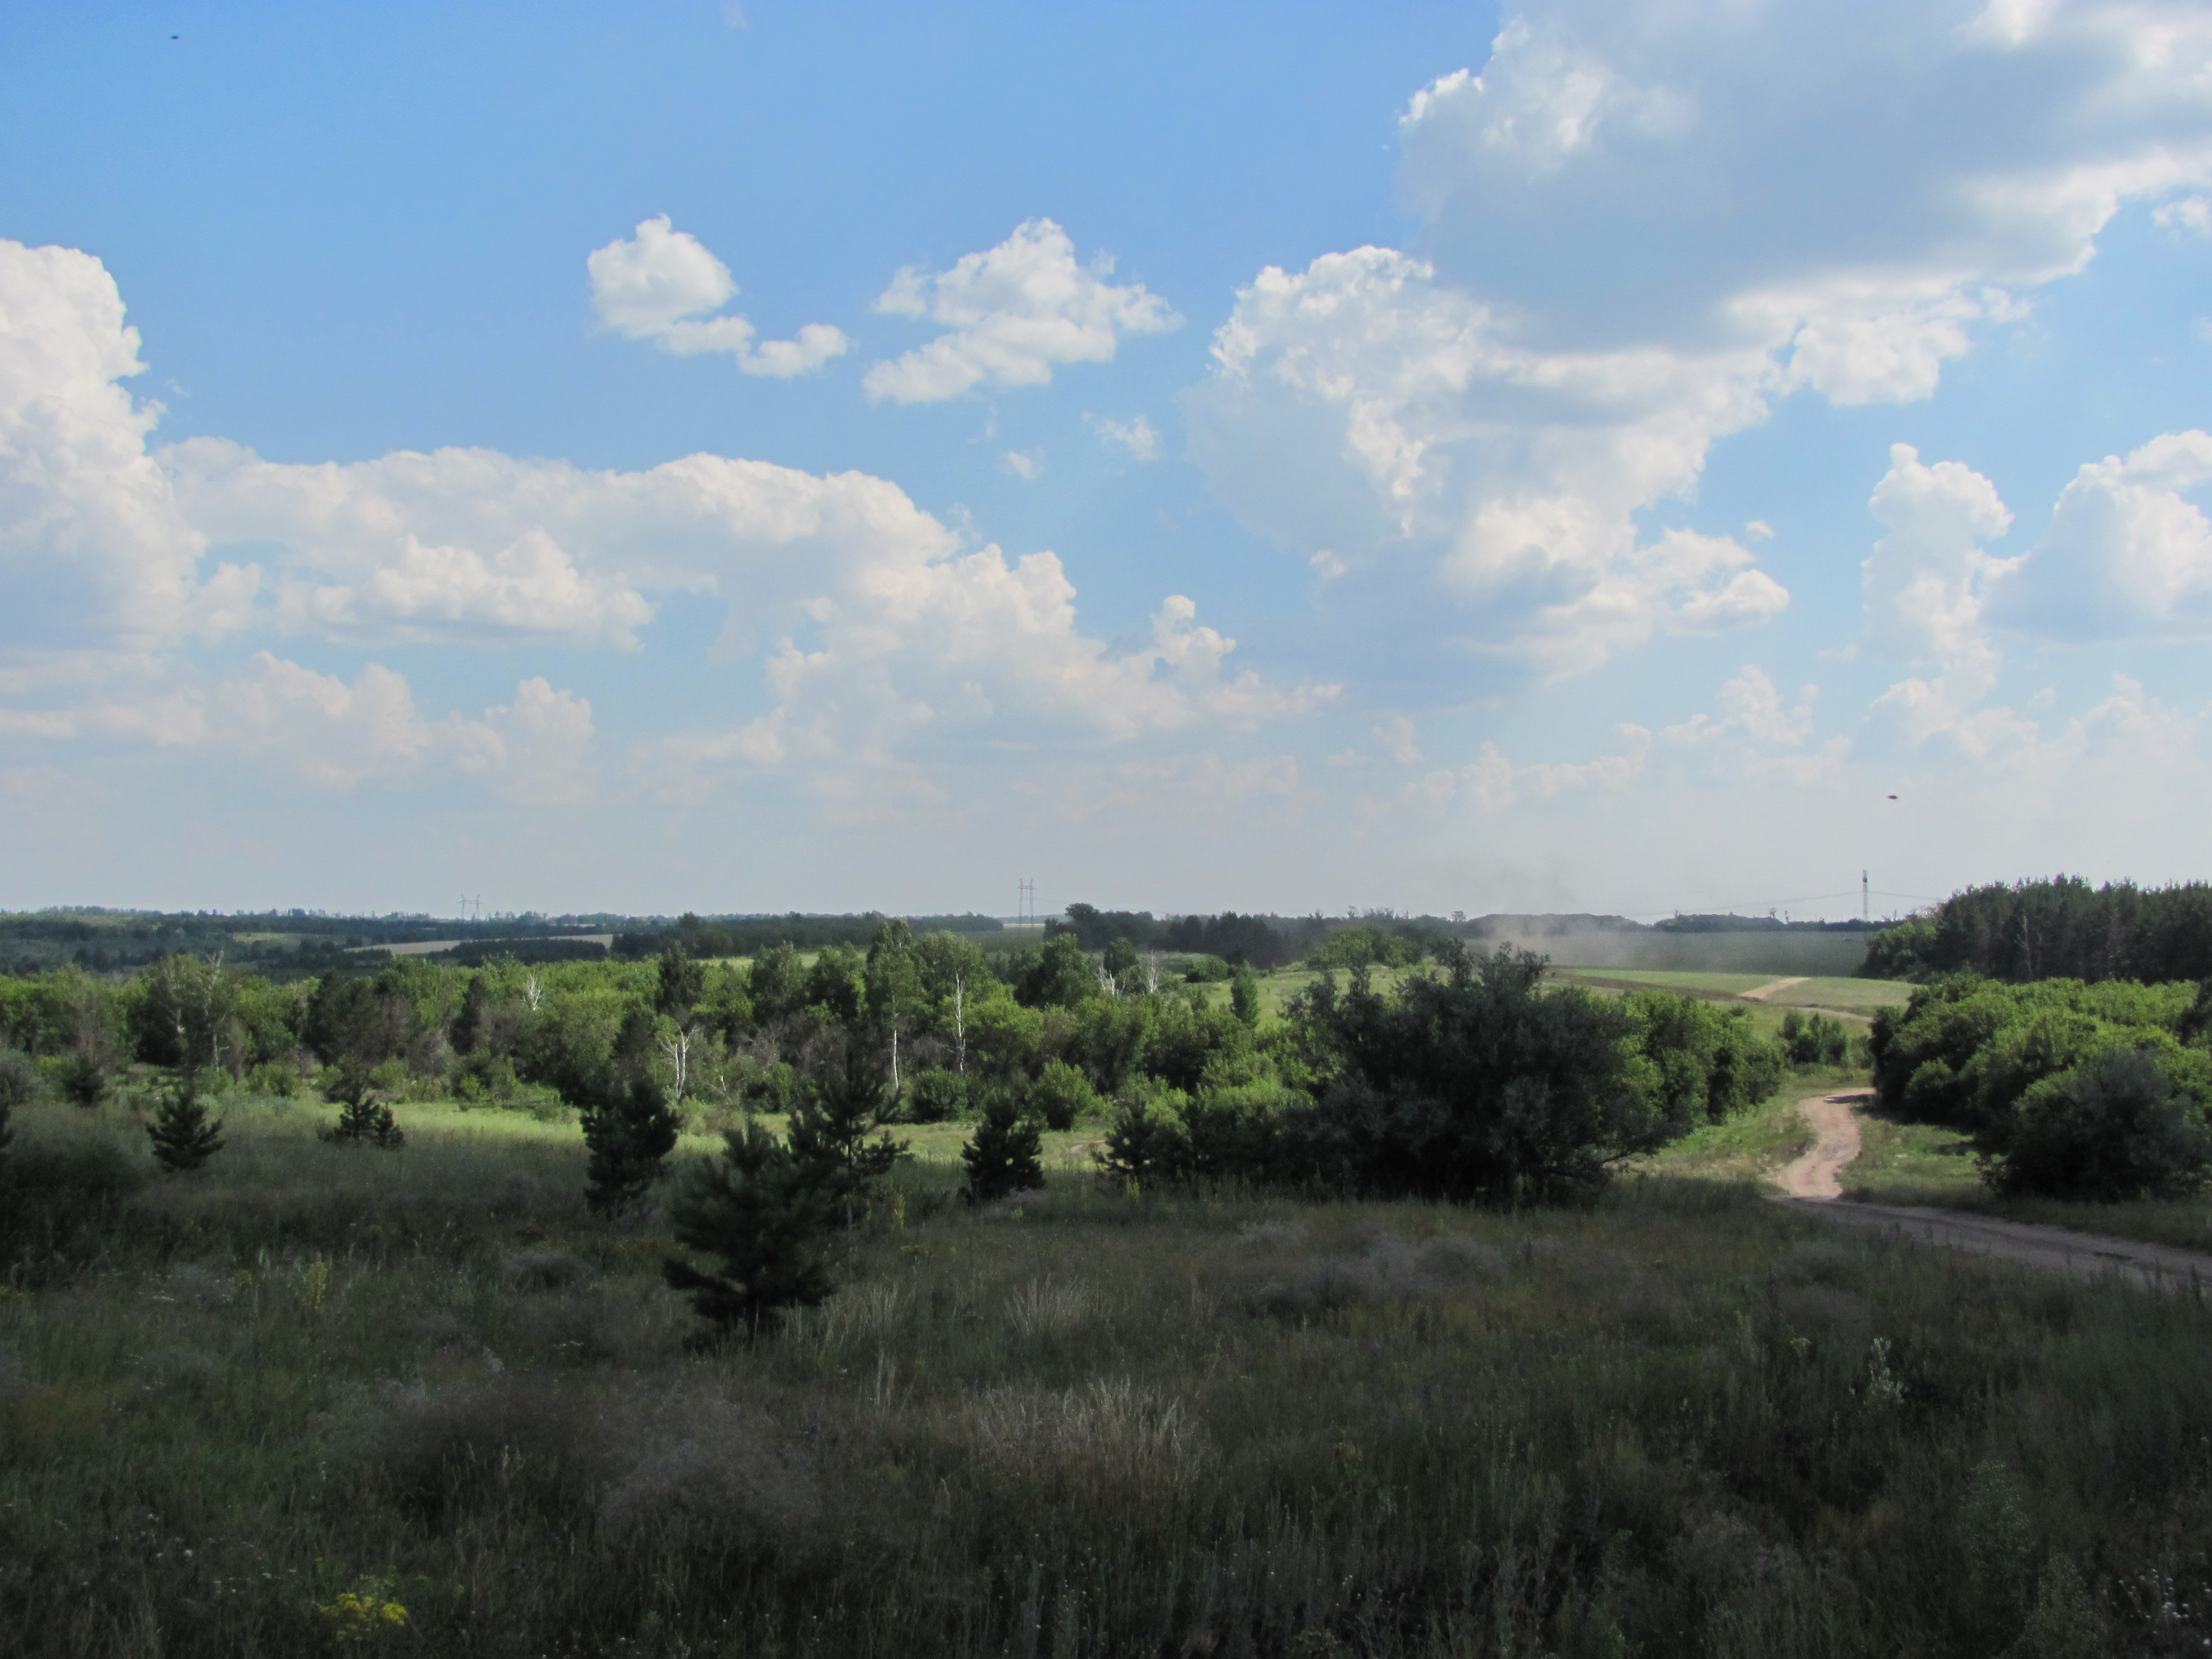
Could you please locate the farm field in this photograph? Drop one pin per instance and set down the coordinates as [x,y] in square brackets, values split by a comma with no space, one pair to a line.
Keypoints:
[1681,1419]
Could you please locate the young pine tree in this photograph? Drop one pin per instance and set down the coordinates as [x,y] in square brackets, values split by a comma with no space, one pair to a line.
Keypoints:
[182,1137]
[629,1130]
[364,1116]
[1002,1155]
[768,1219]
[831,1126]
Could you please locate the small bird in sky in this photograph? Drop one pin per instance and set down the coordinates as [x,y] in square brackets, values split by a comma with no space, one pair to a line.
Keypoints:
[1893,798]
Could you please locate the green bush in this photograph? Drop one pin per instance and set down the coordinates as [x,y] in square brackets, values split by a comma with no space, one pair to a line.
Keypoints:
[1061,1095]
[1816,1039]
[276,1077]
[82,1079]
[2116,1126]
[936,1097]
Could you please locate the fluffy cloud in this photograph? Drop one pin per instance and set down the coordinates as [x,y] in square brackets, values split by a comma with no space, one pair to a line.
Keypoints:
[2128,555]
[1135,438]
[1016,311]
[90,538]
[1364,410]
[1642,223]
[1924,591]
[1857,183]
[1490,783]
[337,736]
[921,662]
[654,286]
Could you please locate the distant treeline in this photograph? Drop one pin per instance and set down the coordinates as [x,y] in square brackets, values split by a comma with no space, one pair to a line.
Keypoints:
[284,945]
[748,936]
[2063,928]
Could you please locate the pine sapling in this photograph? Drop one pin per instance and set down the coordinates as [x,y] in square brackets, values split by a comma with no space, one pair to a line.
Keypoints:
[181,1134]
[364,1117]
[628,1131]
[829,1130]
[770,1222]
[1002,1155]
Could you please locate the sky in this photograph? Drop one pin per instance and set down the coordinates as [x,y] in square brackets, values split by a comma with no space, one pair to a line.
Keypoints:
[1626,458]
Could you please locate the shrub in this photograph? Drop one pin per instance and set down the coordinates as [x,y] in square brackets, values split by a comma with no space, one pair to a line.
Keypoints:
[19,1080]
[1208,971]
[1001,1155]
[1244,996]
[82,1079]
[629,1130]
[276,1077]
[181,1135]
[1061,1095]
[937,1096]
[2114,1127]
[1814,1040]
[1476,1084]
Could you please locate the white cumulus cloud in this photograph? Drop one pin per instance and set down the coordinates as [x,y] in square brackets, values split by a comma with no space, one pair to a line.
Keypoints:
[1016,312]
[1136,437]
[2128,555]
[656,284]
[1364,408]
[91,539]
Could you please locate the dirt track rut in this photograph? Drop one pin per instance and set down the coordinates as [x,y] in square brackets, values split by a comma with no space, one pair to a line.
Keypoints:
[1811,1183]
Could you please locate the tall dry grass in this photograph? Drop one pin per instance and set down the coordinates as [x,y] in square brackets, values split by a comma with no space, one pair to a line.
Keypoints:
[1681,1422]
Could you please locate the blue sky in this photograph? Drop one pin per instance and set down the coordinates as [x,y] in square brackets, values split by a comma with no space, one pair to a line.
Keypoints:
[1575,456]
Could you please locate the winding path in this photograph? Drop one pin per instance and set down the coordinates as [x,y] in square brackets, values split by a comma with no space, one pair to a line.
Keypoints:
[1811,1183]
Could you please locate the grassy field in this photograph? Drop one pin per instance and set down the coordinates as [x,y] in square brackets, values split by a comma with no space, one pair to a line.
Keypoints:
[1847,996]
[312,1386]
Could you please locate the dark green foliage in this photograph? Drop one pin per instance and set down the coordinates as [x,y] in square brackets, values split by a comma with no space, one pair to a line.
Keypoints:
[769,1221]
[1368,947]
[628,1131]
[1058,977]
[82,1080]
[1706,1062]
[1473,1084]
[63,1204]
[635,1045]
[834,987]
[2114,1127]
[1140,1143]
[1001,1155]
[365,1115]
[347,1020]
[777,984]
[2060,928]
[682,985]
[937,1096]
[1120,959]
[1814,1040]
[1208,971]
[181,1135]
[830,1128]
[1244,996]
[1061,1095]
[1966,1049]
[468,1025]
[19,1080]
[1108,1036]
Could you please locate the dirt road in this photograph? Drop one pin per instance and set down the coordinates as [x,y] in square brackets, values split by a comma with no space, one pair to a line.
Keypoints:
[1811,1183]
[1760,992]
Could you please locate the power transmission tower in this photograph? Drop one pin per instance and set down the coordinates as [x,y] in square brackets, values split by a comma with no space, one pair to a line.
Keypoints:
[1866,899]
